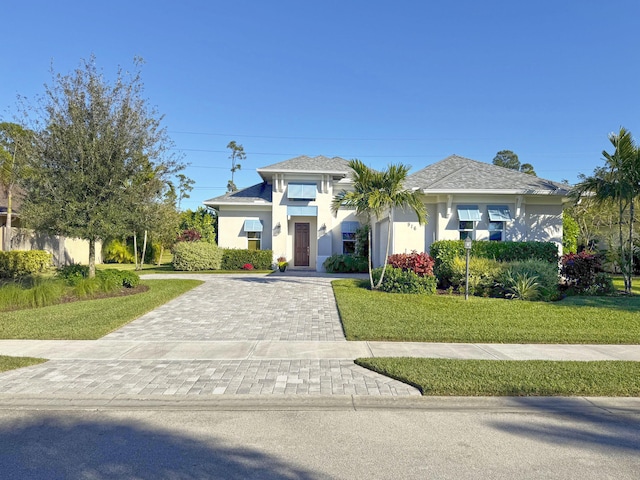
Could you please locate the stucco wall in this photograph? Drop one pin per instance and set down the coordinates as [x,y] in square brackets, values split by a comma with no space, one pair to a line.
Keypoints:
[231,232]
[65,250]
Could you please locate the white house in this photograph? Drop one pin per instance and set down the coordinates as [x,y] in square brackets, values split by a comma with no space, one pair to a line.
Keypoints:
[290,211]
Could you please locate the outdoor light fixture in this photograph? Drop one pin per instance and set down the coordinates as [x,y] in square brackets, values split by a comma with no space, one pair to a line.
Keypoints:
[467,249]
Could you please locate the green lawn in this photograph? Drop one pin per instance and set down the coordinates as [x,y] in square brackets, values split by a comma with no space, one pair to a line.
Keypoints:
[90,319]
[11,363]
[511,378]
[373,315]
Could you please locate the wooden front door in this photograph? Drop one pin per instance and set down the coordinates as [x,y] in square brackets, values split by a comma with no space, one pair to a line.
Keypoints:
[301,245]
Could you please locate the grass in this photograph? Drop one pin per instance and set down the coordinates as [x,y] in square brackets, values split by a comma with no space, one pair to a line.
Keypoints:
[373,315]
[11,363]
[511,378]
[89,320]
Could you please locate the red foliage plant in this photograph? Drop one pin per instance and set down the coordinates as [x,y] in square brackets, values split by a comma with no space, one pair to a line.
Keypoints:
[189,236]
[420,263]
[247,266]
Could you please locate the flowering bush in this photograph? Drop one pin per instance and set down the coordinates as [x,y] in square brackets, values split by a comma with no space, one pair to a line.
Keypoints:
[581,270]
[247,266]
[419,263]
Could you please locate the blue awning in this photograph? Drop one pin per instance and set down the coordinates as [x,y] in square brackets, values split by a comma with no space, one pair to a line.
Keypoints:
[293,211]
[499,213]
[469,213]
[350,227]
[252,226]
[302,191]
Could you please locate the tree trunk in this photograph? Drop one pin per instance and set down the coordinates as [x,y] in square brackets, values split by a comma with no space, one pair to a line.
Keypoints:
[629,273]
[386,255]
[135,250]
[144,250]
[8,231]
[370,260]
[92,257]
[161,253]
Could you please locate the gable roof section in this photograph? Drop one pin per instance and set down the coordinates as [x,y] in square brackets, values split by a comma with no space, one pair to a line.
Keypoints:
[255,194]
[334,166]
[460,174]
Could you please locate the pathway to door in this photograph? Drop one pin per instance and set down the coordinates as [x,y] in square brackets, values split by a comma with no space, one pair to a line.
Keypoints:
[235,334]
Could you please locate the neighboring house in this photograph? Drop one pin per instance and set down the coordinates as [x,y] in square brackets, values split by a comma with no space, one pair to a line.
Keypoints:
[290,211]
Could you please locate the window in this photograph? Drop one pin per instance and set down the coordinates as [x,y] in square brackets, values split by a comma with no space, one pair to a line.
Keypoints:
[496,229]
[466,229]
[349,237]
[254,240]
[302,191]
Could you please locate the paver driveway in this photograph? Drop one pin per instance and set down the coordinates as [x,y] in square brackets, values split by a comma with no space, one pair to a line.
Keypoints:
[226,308]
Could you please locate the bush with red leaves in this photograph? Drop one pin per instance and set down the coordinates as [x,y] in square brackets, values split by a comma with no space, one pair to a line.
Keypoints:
[419,263]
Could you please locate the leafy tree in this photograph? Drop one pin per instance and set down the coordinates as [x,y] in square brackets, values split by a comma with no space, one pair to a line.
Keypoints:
[201,221]
[16,143]
[570,232]
[185,185]
[237,153]
[618,182]
[100,147]
[508,159]
[375,193]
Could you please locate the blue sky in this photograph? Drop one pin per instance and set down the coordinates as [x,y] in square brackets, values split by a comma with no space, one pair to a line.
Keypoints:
[386,82]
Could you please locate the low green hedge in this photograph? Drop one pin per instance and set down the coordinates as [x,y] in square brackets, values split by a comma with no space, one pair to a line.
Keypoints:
[444,252]
[236,259]
[397,280]
[195,256]
[346,264]
[18,263]
[74,274]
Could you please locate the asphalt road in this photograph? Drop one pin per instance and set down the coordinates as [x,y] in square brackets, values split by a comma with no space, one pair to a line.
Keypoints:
[298,443]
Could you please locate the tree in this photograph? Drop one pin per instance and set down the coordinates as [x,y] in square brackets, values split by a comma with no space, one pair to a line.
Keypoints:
[375,193]
[618,182]
[201,221]
[16,143]
[237,153]
[508,159]
[185,185]
[99,147]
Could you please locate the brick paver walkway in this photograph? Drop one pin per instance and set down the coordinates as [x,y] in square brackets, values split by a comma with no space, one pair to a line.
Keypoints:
[225,307]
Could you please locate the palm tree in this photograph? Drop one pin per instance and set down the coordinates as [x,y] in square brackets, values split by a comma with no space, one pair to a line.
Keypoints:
[618,181]
[375,193]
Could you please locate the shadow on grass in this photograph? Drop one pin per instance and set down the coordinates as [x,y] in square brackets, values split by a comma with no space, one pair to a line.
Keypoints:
[66,447]
[586,428]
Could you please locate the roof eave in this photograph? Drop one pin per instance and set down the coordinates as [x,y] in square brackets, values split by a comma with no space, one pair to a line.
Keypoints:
[493,191]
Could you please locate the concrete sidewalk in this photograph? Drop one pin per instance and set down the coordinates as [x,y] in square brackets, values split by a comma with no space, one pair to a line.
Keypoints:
[305,350]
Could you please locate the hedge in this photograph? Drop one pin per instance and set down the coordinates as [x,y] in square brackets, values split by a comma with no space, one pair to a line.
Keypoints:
[346,264]
[195,256]
[18,263]
[236,259]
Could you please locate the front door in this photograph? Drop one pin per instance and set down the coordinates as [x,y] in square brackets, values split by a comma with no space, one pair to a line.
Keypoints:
[301,245]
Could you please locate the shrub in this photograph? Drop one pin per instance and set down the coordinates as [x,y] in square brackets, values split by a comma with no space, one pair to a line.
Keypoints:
[189,235]
[397,280]
[114,279]
[444,251]
[236,259]
[73,273]
[483,274]
[195,256]
[545,273]
[580,269]
[18,263]
[114,251]
[419,263]
[346,264]
[521,286]
[362,241]
[247,266]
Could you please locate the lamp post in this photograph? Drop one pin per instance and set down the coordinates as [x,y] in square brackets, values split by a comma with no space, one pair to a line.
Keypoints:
[467,248]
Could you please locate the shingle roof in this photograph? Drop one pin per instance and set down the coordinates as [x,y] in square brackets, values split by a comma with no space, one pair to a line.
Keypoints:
[260,193]
[319,164]
[457,173]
